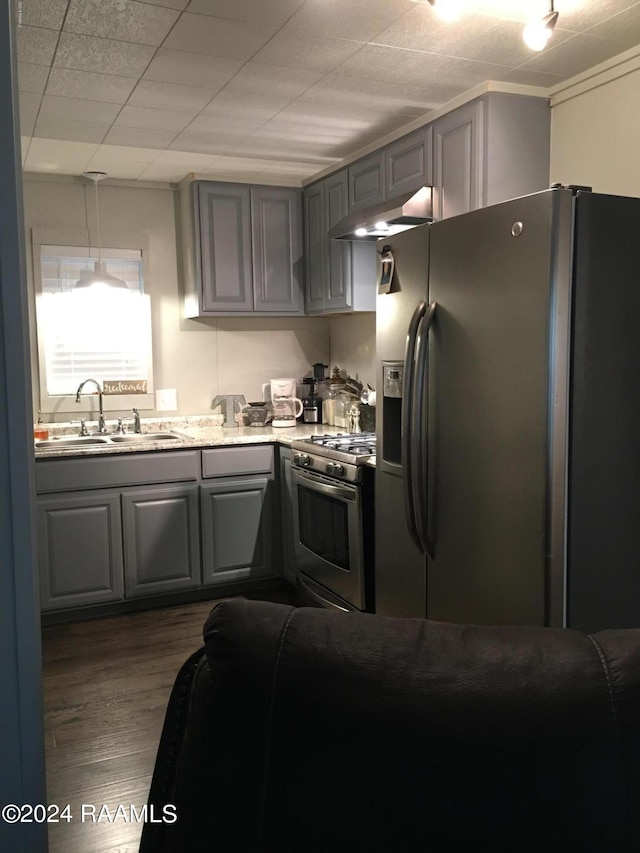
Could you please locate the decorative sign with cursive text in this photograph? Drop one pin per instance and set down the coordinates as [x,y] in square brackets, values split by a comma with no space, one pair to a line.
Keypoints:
[120,386]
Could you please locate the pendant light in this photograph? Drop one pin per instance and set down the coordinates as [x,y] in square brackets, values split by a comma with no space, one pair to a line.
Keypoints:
[536,34]
[99,276]
[447,10]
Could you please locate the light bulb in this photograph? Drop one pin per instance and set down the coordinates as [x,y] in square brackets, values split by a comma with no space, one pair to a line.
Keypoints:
[447,10]
[381,226]
[360,232]
[537,33]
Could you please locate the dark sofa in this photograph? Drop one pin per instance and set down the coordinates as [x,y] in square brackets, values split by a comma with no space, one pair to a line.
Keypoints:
[308,731]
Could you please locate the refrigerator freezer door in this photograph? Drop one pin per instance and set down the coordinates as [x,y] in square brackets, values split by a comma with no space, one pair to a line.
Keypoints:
[493,274]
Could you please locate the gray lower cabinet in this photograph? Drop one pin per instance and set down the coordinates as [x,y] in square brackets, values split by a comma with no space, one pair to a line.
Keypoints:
[237,529]
[286,521]
[242,249]
[237,513]
[161,539]
[79,549]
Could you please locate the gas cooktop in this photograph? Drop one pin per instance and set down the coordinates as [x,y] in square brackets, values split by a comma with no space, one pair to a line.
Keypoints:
[339,455]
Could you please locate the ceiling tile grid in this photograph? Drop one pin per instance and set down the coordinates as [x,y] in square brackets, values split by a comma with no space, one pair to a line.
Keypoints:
[271,90]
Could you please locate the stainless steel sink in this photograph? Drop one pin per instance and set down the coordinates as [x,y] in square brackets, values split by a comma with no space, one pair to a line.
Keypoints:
[136,438]
[76,441]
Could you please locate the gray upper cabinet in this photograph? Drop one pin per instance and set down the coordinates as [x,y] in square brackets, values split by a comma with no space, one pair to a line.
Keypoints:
[276,233]
[315,243]
[224,238]
[459,176]
[408,162]
[490,150]
[242,249]
[367,181]
[340,275]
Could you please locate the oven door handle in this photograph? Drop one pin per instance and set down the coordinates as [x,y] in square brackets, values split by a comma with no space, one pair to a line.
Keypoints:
[337,491]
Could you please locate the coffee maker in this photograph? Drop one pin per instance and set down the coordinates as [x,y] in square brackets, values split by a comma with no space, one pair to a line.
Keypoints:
[312,404]
[286,406]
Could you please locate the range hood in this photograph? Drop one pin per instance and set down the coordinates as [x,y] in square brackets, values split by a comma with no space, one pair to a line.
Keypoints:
[387,218]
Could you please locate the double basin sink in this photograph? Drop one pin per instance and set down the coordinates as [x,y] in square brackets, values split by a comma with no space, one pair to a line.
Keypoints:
[116,438]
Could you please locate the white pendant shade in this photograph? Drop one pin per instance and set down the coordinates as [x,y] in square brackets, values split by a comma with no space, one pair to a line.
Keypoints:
[99,276]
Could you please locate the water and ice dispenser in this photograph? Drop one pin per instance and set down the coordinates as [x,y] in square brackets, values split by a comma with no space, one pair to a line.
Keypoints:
[392,390]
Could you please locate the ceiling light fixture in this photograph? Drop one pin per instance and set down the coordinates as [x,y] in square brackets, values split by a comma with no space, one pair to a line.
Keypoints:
[99,276]
[448,10]
[537,33]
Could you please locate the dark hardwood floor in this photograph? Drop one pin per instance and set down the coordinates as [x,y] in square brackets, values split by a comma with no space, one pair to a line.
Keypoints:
[106,685]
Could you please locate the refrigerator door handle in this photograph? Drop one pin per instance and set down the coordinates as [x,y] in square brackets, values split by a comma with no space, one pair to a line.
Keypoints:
[419,452]
[407,423]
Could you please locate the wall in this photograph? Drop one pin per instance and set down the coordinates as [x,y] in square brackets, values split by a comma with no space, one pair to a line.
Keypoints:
[353,345]
[595,127]
[199,358]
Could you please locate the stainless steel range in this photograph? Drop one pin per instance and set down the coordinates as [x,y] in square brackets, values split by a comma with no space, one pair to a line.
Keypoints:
[333,486]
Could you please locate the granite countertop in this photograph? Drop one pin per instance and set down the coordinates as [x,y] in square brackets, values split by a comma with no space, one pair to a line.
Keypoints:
[194,432]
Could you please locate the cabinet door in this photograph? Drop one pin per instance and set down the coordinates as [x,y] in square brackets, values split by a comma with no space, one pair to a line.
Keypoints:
[315,242]
[237,529]
[286,508]
[458,149]
[338,252]
[161,539]
[225,246]
[408,162]
[366,181]
[79,549]
[276,225]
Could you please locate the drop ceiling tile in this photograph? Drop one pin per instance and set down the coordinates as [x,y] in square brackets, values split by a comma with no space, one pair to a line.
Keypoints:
[36,45]
[574,55]
[207,142]
[29,106]
[66,82]
[170,96]
[59,156]
[241,125]
[421,29]
[580,16]
[307,51]
[271,12]
[271,80]
[78,109]
[125,170]
[139,137]
[218,36]
[399,66]
[623,28]
[105,56]
[229,104]
[127,152]
[293,172]
[44,13]
[123,20]
[152,119]
[25,142]
[526,77]
[191,69]
[371,94]
[48,127]
[181,5]
[164,172]
[359,20]
[32,78]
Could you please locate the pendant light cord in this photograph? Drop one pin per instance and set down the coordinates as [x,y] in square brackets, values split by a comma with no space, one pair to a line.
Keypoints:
[98,223]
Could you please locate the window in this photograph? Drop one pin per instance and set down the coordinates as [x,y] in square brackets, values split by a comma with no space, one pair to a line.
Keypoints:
[98,332]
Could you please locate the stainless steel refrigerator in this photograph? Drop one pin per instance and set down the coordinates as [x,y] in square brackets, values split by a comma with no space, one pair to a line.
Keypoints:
[508,447]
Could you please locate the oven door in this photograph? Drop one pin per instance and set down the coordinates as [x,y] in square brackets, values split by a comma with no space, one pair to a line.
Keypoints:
[327,521]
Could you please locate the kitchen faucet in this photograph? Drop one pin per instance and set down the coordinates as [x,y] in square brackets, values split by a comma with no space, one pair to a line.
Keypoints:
[102,428]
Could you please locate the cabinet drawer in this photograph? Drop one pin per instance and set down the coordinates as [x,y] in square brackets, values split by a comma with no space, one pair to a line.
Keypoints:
[97,472]
[237,461]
